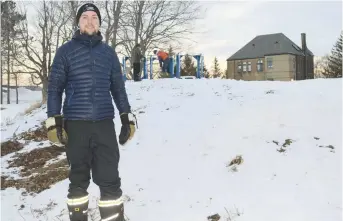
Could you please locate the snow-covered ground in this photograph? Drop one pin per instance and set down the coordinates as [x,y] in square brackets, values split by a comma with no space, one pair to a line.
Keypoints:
[12,115]
[176,167]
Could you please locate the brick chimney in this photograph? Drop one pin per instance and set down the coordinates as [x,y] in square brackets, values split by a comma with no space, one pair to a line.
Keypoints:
[303,42]
[304,49]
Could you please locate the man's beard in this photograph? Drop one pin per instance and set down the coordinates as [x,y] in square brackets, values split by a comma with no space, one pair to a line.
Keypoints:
[92,33]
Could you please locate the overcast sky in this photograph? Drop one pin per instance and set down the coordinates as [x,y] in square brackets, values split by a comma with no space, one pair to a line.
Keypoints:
[227,25]
[230,25]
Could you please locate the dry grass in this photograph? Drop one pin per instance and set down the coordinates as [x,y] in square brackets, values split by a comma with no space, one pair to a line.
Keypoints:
[285,144]
[10,147]
[214,217]
[36,175]
[35,159]
[238,160]
[231,216]
[38,134]
[38,182]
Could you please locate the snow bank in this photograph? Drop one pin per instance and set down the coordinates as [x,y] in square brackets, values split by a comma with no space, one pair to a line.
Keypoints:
[289,135]
[11,113]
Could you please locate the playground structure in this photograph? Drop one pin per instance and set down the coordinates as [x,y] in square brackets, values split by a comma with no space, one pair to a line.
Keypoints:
[173,61]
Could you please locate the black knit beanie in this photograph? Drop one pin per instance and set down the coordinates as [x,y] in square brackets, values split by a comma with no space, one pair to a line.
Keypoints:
[87,7]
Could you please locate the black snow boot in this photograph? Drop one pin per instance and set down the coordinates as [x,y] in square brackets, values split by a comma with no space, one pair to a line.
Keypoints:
[112,210]
[78,208]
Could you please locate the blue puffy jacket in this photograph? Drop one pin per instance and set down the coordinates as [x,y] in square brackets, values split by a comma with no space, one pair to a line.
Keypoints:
[89,71]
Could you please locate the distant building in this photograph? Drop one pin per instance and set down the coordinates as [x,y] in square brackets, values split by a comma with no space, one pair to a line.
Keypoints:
[272,57]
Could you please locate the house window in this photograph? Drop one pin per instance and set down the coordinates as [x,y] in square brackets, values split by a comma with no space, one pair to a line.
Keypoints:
[270,63]
[260,65]
[294,65]
[249,66]
[239,68]
[244,66]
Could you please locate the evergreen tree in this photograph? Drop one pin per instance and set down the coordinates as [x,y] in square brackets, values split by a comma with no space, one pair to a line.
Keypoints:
[206,72]
[188,68]
[171,51]
[334,66]
[225,74]
[216,68]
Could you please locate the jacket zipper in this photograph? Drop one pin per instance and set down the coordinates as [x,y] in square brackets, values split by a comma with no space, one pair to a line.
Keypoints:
[93,82]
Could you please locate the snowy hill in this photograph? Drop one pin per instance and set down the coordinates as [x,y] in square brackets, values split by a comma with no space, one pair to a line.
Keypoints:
[246,151]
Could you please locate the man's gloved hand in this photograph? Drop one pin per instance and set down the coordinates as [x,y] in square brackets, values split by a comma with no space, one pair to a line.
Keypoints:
[56,132]
[127,129]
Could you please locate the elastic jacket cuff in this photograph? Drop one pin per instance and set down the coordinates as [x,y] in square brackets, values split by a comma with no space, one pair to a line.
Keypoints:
[59,120]
[124,117]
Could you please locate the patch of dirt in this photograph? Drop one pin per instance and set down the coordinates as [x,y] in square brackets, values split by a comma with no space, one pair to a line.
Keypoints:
[238,160]
[36,158]
[45,177]
[39,134]
[10,146]
[36,175]
[286,143]
[328,146]
[214,217]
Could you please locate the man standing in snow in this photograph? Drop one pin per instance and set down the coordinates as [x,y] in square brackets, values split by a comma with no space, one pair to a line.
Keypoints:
[89,71]
[136,61]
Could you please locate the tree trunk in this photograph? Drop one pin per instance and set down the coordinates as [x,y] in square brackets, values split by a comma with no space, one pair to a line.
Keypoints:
[8,69]
[1,84]
[44,89]
[116,12]
[16,90]
[16,83]
[139,20]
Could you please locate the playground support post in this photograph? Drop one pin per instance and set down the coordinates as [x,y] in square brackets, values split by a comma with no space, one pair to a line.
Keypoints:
[198,57]
[145,71]
[125,58]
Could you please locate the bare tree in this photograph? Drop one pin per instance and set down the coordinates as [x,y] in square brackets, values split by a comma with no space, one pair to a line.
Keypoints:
[15,76]
[319,66]
[40,45]
[154,23]
[111,21]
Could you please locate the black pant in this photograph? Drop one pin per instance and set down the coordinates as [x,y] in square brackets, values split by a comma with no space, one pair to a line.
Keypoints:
[93,146]
[136,71]
[165,66]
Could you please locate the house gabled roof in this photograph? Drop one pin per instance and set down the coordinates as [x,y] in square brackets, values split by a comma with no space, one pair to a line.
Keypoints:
[271,44]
